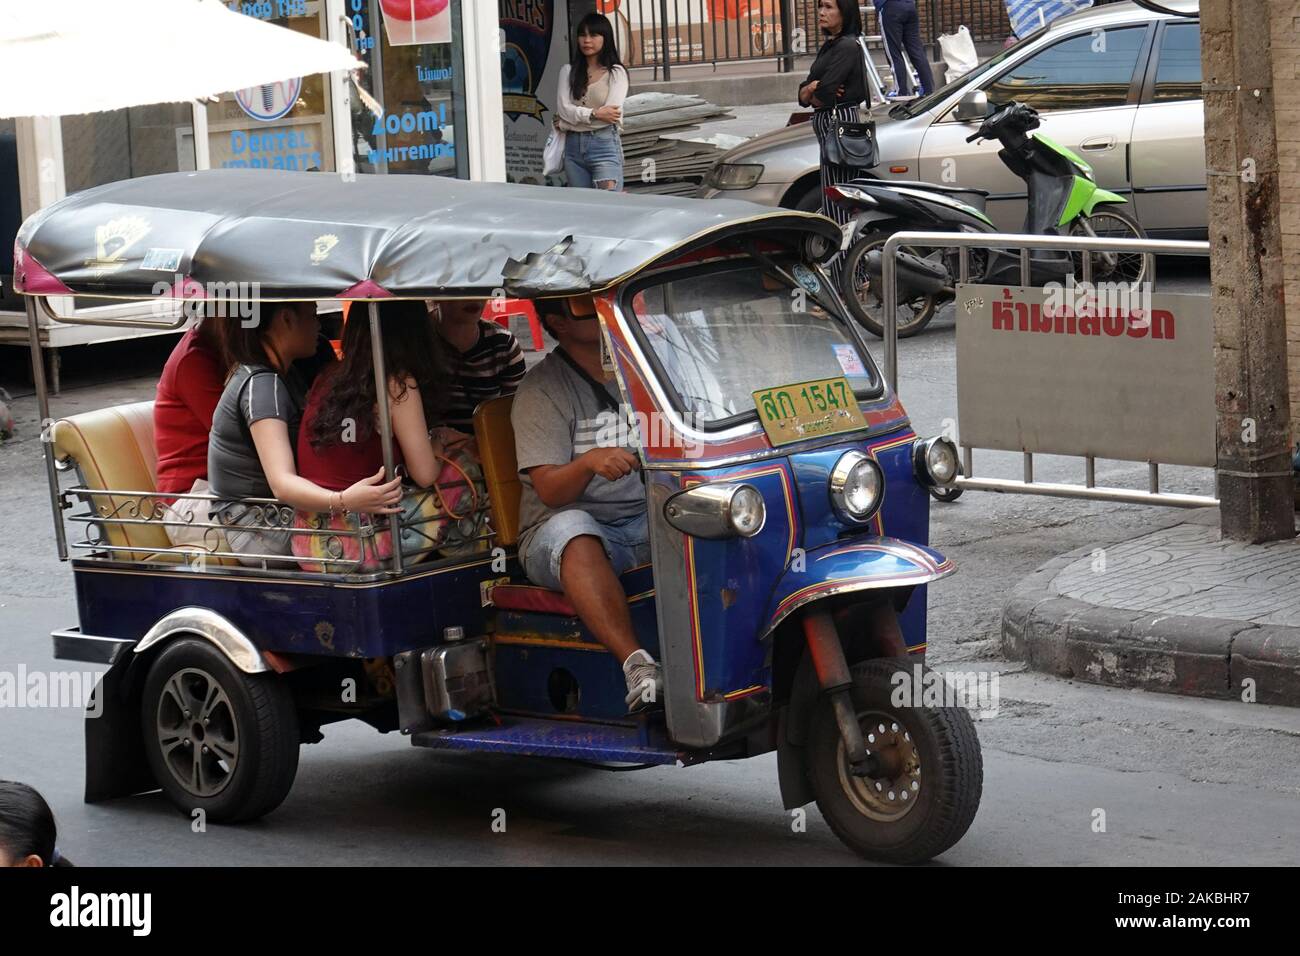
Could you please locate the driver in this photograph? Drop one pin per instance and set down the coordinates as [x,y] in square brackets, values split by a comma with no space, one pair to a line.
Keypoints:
[583,507]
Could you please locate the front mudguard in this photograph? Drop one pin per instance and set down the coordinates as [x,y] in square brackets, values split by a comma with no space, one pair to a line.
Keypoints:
[861,565]
[873,564]
[1101,197]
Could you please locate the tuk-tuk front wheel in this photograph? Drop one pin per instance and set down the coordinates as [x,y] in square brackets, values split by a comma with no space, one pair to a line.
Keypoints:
[217,739]
[928,778]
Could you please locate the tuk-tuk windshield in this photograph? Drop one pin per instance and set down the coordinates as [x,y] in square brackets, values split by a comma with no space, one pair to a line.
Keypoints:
[721,335]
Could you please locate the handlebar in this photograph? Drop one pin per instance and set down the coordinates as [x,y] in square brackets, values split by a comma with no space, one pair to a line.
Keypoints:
[973,136]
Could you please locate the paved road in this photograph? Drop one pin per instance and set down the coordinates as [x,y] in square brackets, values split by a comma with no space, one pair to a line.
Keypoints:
[1181,781]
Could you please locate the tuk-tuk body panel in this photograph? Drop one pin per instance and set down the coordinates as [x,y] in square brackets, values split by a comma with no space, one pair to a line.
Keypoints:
[729,583]
[287,615]
[539,659]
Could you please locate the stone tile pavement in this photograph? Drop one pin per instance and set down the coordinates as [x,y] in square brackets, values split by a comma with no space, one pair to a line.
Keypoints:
[1177,610]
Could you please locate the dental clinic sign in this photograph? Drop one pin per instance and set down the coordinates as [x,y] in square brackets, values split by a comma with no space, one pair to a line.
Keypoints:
[1113,372]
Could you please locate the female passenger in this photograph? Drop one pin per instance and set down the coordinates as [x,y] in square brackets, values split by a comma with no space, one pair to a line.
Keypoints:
[188,391]
[339,442]
[254,433]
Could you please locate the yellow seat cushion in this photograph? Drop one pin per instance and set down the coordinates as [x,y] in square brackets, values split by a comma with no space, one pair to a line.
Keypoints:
[113,450]
[496,446]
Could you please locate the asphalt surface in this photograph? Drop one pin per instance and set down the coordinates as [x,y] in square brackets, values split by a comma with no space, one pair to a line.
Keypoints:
[1179,781]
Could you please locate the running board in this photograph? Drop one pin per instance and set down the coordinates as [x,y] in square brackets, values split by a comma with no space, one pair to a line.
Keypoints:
[538,737]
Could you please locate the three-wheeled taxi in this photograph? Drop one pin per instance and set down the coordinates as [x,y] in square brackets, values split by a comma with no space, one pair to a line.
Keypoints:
[787,497]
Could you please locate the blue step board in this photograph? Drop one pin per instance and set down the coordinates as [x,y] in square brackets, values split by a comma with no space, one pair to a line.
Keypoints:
[538,737]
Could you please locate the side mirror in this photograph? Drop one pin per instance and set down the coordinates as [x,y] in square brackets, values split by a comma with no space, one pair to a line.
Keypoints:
[973,106]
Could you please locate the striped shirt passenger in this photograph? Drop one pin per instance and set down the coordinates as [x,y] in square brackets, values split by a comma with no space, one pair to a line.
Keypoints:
[485,362]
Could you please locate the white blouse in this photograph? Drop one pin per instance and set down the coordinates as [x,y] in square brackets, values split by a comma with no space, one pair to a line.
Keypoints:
[610,90]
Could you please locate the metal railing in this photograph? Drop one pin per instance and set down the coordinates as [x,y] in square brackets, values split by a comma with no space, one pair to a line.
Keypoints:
[661,34]
[964,242]
[431,532]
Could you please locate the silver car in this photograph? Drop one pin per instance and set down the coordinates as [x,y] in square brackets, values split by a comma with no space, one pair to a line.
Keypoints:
[1119,84]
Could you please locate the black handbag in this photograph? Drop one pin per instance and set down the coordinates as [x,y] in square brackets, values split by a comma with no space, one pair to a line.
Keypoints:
[852,145]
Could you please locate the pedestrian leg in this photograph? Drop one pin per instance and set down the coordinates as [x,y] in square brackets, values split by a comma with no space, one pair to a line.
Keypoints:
[891,25]
[916,49]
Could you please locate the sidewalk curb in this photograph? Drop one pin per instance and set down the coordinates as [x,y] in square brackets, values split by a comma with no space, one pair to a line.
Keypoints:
[1194,656]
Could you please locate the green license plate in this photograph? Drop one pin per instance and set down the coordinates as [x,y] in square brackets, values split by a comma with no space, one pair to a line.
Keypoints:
[825,406]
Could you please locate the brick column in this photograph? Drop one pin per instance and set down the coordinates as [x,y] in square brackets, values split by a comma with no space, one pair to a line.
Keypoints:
[1252,396]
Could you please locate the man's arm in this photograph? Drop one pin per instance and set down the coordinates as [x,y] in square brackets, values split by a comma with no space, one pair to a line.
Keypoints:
[560,485]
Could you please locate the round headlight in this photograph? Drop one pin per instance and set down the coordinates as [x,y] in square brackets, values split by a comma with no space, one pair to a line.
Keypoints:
[747,512]
[935,462]
[856,486]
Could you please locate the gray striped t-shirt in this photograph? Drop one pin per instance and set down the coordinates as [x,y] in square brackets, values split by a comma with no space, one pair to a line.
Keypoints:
[557,417]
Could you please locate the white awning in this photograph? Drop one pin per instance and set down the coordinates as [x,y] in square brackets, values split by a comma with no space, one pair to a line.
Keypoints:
[63,57]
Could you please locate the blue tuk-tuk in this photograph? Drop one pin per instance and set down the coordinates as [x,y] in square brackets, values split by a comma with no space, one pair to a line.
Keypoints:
[788,502]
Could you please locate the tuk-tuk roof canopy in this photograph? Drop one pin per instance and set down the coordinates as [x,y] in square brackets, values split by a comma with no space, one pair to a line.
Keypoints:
[319,236]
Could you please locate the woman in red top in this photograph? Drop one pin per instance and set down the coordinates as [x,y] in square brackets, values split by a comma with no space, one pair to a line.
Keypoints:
[339,442]
[191,384]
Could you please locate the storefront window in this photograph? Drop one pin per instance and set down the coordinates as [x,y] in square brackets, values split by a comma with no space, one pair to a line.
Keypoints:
[416,75]
[285,125]
[103,148]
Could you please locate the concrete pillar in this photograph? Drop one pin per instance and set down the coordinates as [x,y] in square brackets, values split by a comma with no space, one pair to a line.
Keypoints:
[1246,268]
[1284,32]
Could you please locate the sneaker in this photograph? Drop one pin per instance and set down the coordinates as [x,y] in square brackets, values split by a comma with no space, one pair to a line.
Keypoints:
[892,95]
[645,682]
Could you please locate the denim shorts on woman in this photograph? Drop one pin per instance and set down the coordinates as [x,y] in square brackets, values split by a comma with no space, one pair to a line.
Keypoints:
[590,158]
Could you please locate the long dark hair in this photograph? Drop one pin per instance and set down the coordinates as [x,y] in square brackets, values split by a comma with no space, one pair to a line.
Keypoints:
[412,352]
[593,24]
[852,18]
[27,824]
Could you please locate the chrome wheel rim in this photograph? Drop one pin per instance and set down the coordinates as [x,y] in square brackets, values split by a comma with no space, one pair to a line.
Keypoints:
[197,732]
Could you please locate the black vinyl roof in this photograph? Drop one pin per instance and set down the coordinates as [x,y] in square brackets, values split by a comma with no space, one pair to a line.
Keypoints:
[315,235]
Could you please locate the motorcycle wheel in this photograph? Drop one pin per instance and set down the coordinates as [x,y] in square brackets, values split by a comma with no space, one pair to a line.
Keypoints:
[1110,222]
[865,301]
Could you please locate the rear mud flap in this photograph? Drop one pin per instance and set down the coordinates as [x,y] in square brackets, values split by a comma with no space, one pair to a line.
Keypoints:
[115,760]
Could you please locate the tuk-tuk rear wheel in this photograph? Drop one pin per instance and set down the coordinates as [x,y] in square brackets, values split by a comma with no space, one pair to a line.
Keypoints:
[930,753]
[217,739]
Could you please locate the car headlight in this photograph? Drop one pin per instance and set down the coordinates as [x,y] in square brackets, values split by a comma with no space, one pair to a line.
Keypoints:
[935,462]
[857,486]
[735,175]
[717,510]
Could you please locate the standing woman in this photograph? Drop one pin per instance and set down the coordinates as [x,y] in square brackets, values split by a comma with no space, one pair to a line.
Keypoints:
[835,86]
[590,107]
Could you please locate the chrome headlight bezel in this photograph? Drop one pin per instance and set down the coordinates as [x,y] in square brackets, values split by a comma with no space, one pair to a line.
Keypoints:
[710,510]
[923,461]
[849,471]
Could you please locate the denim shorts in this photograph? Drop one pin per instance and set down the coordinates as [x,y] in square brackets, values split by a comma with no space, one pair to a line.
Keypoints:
[594,157]
[627,543]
